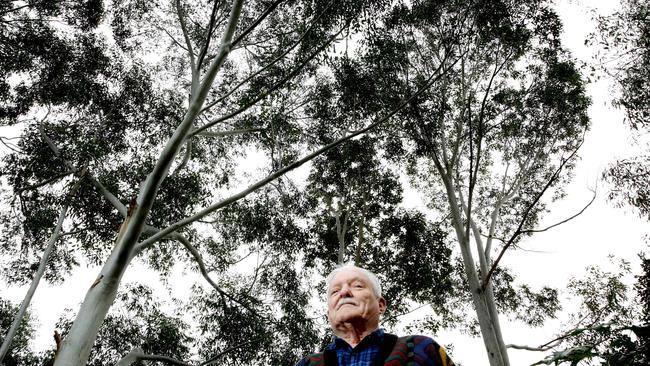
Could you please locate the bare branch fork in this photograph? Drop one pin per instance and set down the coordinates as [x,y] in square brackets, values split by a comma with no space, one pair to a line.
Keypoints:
[520,230]
[184,222]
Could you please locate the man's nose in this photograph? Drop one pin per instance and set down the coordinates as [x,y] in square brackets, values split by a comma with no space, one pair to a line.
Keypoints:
[345,291]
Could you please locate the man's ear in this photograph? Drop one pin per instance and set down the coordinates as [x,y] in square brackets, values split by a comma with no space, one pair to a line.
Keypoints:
[382,305]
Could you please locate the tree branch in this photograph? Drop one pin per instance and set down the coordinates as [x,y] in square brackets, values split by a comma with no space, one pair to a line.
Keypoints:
[229,133]
[208,36]
[247,79]
[565,220]
[157,175]
[47,181]
[188,43]
[119,206]
[188,220]
[229,349]
[8,338]
[199,261]
[571,333]
[137,354]
[186,158]
[519,230]
[256,22]
[173,39]
[271,89]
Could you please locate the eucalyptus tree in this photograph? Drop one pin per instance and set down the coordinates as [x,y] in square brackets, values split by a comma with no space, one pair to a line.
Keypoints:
[154,109]
[492,140]
[132,109]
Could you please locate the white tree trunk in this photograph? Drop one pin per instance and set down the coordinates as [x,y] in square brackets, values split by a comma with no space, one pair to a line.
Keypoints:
[32,288]
[484,305]
[77,344]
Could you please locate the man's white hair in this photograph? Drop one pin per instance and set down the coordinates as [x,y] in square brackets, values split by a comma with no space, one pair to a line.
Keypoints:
[372,278]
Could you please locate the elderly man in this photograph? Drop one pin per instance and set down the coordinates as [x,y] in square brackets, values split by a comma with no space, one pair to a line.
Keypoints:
[354,306]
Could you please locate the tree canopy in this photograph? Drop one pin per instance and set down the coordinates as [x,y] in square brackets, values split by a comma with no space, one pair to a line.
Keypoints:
[161,132]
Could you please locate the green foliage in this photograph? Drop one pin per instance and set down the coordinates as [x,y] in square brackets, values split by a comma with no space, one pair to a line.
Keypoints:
[276,330]
[608,328]
[629,177]
[521,302]
[111,86]
[624,39]
[20,352]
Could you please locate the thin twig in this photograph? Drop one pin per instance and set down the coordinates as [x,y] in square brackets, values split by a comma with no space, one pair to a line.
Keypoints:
[593,198]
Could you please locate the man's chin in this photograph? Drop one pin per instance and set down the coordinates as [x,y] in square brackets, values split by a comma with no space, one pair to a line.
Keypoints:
[348,317]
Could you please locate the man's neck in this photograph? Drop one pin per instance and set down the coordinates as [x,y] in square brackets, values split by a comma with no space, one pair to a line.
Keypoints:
[353,335]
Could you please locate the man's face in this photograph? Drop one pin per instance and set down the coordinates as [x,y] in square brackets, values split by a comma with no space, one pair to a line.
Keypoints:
[352,300]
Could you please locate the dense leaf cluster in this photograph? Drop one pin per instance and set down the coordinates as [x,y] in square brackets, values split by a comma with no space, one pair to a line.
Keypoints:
[20,352]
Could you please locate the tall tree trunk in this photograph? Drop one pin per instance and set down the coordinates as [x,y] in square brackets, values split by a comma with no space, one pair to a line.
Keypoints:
[489,331]
[76,346]
[35,281]
[484,305]
[362,227]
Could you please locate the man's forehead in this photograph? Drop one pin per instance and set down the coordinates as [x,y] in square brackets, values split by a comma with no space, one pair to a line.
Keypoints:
[349,274]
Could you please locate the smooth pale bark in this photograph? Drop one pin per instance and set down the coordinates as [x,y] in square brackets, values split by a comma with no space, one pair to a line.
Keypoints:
[488,320]
[484,262]
[138,355]
[340,233]
[76,346]
[35,281]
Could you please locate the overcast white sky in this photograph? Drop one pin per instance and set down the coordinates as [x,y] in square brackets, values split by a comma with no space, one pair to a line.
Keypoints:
[552,257]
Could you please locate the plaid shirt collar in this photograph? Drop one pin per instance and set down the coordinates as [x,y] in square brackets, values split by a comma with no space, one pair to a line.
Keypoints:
[361,355]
